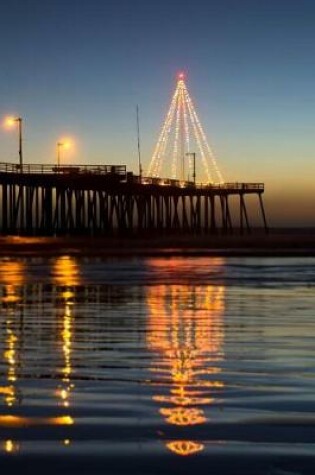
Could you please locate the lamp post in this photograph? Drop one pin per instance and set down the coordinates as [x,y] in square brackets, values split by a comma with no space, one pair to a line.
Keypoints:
[63,144]
[59,145]
[9,123]
[193,155]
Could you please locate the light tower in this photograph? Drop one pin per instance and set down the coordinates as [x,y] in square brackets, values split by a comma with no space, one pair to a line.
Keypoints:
[181,139]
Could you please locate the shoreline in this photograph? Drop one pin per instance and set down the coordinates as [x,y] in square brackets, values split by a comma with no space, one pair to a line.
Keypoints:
[278,243]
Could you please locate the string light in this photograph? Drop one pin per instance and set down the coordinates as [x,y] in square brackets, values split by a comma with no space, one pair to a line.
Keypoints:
[181,129]
[175,149]
[154,164]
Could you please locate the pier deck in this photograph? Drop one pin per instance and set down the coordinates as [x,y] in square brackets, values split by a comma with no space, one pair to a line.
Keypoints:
[106,199]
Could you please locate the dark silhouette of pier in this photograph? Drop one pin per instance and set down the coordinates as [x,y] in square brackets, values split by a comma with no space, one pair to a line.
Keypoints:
[106,199]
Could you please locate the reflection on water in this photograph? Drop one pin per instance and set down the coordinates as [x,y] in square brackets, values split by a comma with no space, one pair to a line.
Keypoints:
[19,421]
[66,277]
[185,330]
[65,272]
[11,446]
[66,335]
[132,357]
[12,276]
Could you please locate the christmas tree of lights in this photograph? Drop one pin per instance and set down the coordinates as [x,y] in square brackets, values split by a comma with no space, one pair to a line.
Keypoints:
[182,146]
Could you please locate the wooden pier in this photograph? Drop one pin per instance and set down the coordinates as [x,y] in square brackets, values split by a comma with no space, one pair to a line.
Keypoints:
[42,200]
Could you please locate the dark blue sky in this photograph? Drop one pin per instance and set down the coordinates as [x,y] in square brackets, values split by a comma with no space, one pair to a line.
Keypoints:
[79,67]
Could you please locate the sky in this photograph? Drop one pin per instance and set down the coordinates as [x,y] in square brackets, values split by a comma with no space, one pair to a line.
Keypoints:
[79,67]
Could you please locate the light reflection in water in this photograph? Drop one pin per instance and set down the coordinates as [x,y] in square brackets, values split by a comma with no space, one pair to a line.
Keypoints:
[184,447]
[12,278]
[66,335]
[19,421]
[14,291]
[185,330]
[66,277]
[10,446]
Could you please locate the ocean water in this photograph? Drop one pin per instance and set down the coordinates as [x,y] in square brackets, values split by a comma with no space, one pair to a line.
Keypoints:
[157,365]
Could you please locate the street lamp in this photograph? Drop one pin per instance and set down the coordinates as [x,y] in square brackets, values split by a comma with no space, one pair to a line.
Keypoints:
[193,155]
[65,144]
[9,123]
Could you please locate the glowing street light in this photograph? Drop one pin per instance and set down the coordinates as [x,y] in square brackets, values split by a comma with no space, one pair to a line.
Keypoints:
[65,144]
[9,123]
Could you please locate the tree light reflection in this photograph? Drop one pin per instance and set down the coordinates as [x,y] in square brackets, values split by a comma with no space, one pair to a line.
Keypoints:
[185,331]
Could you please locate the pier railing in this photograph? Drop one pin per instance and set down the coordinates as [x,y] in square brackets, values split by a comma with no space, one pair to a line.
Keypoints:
[189,184]
[120,172]
[45,169]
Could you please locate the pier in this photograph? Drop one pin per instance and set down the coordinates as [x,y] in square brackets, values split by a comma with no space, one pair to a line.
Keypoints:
[47,200]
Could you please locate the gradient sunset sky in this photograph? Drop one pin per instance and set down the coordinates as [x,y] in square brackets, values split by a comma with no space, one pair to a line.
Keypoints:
[80,67]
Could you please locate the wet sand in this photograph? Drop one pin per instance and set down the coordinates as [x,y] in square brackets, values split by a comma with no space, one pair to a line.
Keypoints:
[157,366]
[285,243]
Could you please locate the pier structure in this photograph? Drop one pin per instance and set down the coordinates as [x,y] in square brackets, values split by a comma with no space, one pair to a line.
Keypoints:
[43,200]
[39,200]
